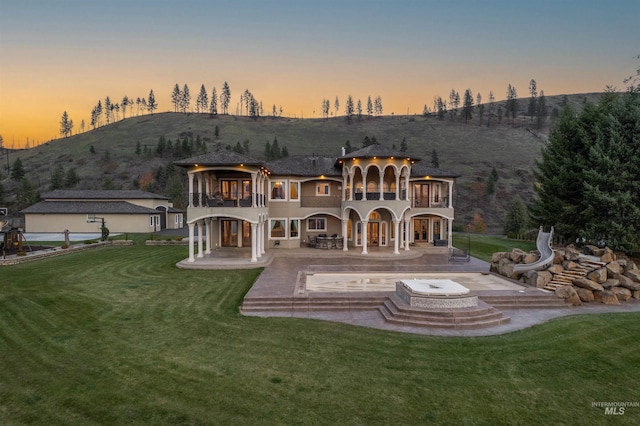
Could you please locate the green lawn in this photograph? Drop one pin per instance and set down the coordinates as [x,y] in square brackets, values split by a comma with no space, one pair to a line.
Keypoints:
[119,335]
[483,246]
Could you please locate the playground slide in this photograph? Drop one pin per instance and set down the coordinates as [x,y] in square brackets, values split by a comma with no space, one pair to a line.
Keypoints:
[543,242]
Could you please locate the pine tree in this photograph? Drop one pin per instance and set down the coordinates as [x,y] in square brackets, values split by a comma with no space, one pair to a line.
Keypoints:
[185,100]
[151,104]
[533,91]
[17,170]
[517,218]
[403,145]
[213,108]
[71,179]
[589,176]
[349,109]
[57,178]
[202,101]
[541,110]
[176,97]
[512,102]
[467,108]
[225,98]
[369,106]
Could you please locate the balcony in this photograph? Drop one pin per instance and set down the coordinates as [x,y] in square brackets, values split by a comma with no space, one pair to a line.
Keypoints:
[430,202]
[372,196]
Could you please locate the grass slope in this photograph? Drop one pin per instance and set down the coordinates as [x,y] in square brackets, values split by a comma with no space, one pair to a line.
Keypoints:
[121,336]
[468,149]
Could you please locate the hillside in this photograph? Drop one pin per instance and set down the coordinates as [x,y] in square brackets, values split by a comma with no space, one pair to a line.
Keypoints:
[469,149]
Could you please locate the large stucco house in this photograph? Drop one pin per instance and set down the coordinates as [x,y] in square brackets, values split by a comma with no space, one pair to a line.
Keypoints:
[371,198]
[82,211]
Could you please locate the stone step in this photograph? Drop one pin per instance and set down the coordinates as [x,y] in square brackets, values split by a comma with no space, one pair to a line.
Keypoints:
[402,310]
[541,301]
[393,315]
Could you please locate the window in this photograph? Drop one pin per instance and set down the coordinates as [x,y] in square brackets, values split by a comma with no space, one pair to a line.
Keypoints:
[294,226]
[322,189]
[278,190]
[229,189]
[294,190]
[179,220]
[277,229]
[317,224]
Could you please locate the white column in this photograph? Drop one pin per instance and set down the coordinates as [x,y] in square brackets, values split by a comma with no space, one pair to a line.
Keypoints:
[364,184]
[364,236]
[254,189]
[190,176]
[449,233]
[345,223]
[254,242]
[398,186]
[191,258]
[381,188]
[351,186]
[199,223]
[396,232]
[407,185]
[407,234]
[450,194]
[208,231]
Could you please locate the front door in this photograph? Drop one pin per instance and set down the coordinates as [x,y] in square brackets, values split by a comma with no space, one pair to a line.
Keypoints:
[229,233]
[421,230]
[373,233]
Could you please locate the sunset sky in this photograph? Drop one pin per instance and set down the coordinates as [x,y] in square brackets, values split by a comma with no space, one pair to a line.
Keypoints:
[66,55]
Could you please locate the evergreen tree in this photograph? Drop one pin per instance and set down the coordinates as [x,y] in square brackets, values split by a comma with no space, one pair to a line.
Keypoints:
[369,106]
[533,91]
[71,179]
[541,110]
[435,161]
[491,108]
[27,195]
[267,150]
[349,109]
[512,103]
[517,218]
[359,110]
[467,108]
[202,101]
[403,145]
[151,104]
[347,147]
[225,98]
[17,170]
[491,182]
[589,176]
[66,125]
[213,108]
[185,101]
[138,148]
[57,178]
[176,97]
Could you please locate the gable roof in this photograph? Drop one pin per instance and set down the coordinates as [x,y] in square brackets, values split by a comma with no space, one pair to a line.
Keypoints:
[219,158]
[377,150]
[101,194]
[305,165]
[87,207]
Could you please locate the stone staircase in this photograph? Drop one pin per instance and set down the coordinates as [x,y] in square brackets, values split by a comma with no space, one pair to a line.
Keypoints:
[396,311]
[316,303]
[579,270]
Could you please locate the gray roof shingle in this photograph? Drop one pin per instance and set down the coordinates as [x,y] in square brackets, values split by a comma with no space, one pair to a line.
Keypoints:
[219,158]
[87,207]
[305,165]
[100,194]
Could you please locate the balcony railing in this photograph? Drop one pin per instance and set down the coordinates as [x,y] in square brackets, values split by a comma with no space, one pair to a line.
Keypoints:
[208,200]
[424,202]
[387,196]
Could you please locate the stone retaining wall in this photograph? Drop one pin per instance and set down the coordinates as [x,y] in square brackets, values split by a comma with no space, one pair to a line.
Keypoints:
[595,275]
[166,243]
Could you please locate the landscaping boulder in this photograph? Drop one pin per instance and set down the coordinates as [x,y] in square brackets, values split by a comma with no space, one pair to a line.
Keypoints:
[587,283]
[530,258]
[517,255]
[608,257]
[607,297]
[623,294]
[558,257]
[540,278]
[634,274]
[555,268]
[495,257]
[635,294]
[585,295]
[569,264]
[599,275]
[614,270]
[593,250]
[627,282]
[569,294]
[571,253]
[610,283]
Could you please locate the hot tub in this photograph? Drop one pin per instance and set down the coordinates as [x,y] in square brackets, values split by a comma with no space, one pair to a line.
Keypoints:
[435,287]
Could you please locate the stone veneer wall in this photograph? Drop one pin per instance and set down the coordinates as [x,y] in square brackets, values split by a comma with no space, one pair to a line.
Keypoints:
[598,275]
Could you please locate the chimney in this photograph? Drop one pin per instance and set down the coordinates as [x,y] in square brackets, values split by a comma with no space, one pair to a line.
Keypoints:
[343,152]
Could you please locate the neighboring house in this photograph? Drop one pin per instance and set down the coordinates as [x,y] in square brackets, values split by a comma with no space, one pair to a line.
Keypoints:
[373,197]
[82,211]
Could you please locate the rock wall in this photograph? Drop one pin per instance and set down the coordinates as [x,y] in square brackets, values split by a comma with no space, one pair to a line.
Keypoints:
[594,275]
